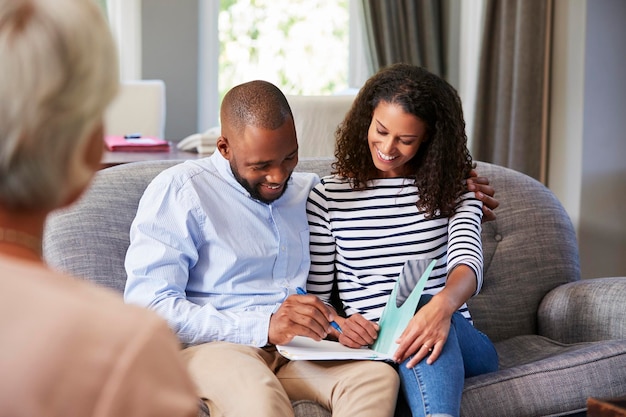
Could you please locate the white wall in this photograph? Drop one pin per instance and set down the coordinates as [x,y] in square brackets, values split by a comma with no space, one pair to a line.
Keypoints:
[602,227]
[169,37]
[588,129]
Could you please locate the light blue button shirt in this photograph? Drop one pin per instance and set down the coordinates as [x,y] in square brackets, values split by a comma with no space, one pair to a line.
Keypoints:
[210,259]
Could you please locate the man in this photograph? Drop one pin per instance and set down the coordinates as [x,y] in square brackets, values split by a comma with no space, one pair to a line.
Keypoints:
[219,247]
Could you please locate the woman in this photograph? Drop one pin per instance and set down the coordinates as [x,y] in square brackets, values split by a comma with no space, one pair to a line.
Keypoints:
[68,349]
[398,197]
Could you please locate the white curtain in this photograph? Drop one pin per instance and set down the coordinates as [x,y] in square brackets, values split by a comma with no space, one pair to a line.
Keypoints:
[125,20]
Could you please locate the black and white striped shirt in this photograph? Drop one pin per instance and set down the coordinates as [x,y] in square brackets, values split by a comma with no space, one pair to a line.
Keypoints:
[368,236]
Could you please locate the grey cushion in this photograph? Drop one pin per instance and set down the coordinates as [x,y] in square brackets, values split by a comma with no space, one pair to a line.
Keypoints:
[588,310]
[560,340]
[541,377]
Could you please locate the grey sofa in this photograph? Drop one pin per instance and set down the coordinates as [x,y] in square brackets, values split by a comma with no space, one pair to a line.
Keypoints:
[560,339]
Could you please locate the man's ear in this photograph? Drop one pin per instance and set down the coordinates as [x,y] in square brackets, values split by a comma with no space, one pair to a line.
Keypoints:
[224,147]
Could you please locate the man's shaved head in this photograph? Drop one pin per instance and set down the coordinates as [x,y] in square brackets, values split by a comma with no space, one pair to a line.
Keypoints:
[259,139]
[255,103]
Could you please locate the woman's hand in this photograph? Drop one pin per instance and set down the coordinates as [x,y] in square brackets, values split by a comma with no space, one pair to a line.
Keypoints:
[357,331]
[426,334]
[428,330]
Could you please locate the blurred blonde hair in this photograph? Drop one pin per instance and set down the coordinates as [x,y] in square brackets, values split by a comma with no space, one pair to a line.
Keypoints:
[58,73]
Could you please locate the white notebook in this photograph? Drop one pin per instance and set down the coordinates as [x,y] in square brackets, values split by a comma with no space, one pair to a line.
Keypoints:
[304,348]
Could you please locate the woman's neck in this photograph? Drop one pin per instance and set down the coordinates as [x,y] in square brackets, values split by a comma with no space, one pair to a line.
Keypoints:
[21,235]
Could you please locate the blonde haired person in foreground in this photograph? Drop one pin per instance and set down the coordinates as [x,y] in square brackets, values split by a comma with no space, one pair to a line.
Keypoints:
[66,348]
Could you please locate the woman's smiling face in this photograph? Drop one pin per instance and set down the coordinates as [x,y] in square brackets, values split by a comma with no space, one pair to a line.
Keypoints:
[394,137]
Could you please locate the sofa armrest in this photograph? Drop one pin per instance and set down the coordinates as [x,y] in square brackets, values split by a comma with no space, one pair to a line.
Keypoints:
[584,311]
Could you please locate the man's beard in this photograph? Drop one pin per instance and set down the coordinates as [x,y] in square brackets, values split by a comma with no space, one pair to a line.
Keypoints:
[254,191]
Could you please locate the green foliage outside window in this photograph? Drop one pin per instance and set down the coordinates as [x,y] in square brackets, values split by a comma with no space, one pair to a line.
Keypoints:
[299,45]
[103,6]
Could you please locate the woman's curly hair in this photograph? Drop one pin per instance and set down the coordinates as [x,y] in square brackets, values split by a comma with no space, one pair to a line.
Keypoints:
[442,162]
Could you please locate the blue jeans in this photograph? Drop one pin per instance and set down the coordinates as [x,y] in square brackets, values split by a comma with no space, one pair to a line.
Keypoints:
[437,388]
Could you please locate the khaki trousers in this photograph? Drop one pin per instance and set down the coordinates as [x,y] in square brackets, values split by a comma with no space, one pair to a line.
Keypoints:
[240,381]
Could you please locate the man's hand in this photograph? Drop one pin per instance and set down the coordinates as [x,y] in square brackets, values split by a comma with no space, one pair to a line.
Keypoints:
[300,315]
[484,192]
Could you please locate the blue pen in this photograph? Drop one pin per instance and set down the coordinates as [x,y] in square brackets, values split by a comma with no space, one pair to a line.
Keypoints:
[333,323]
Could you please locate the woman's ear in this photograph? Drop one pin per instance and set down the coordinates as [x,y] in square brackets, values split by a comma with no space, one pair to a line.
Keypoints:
[87,161]
[95,148]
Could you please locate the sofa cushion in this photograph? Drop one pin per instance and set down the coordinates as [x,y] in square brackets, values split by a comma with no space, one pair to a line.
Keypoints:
[540,377]
[316,119]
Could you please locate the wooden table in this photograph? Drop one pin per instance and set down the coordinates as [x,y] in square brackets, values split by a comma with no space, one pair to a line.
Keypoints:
[606,408]
[110,159]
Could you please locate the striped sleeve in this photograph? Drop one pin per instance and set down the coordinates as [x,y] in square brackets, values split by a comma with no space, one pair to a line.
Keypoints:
[464,242]
[321,245]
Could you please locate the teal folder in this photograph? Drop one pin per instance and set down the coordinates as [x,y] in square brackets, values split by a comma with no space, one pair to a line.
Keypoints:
[397,312]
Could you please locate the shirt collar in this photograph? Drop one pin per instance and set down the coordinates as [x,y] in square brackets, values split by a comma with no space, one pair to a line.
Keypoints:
[222,165]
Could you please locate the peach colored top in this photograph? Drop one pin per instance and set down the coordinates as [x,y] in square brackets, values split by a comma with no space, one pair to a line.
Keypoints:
[69,349]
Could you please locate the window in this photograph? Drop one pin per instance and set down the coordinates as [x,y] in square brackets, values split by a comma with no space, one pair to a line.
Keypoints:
[302,46]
